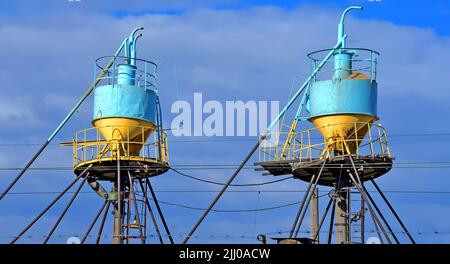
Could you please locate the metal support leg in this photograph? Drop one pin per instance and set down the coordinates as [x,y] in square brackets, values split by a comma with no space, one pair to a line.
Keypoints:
[102,224]
[393,212]
[377,230]
[152,216]
[330,229]
[358,183]
[93,222]
[222,191]
[365,193]
[309,199]
[127,213]
[299,212]
[381,215]
[377,221]
[22,172]
[362,213]
[66,209]
[60,126]
[50,205]
[314,214]
[158,208]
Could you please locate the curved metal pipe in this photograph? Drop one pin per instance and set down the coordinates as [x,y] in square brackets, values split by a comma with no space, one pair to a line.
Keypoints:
[348,10]
[134,31]
[341,22]
[136,38]
[131,44]
[133,50]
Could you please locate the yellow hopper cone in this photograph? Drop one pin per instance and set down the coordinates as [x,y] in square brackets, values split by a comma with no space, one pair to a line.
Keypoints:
[131,133]
[348,128]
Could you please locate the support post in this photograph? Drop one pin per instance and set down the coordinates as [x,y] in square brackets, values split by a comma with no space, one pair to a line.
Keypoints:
[314,213]
[330,230]
[363,219]
[117,225]
[341,215]
[322,220]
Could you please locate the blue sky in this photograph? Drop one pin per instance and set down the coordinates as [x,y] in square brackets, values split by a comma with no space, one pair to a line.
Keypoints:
[228,50]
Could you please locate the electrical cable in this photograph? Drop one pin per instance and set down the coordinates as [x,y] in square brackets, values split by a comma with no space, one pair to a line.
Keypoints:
[234,139]
[235,185]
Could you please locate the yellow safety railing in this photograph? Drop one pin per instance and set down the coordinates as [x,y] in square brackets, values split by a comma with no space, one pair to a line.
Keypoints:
[90,144]
[310,144]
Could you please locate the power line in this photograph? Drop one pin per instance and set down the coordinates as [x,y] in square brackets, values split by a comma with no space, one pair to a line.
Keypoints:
[230,210]
[221,210]
[236,185]
[214,140]
[231,191]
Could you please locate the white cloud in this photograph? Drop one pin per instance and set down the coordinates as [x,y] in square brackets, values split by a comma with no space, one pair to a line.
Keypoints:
[60,102]
[14,110]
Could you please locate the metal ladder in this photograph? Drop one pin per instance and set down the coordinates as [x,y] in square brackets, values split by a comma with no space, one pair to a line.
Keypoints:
[130,226]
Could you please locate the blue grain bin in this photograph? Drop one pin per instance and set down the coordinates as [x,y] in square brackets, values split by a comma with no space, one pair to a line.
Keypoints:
[344,106]
[343,96]
[125,108]
[125,101]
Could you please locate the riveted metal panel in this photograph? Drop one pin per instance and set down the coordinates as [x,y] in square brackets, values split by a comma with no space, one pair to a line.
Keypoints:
[125,101]
[343,96]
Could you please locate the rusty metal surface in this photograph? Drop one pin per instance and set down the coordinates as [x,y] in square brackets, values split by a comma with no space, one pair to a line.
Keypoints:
[370,168]
[105,171]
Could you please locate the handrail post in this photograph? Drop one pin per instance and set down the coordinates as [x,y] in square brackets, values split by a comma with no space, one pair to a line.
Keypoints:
[380,139]
[84,148]
[356,140]
[387,144]
[300,143]
[309,145]
[372,66]
[371,140]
